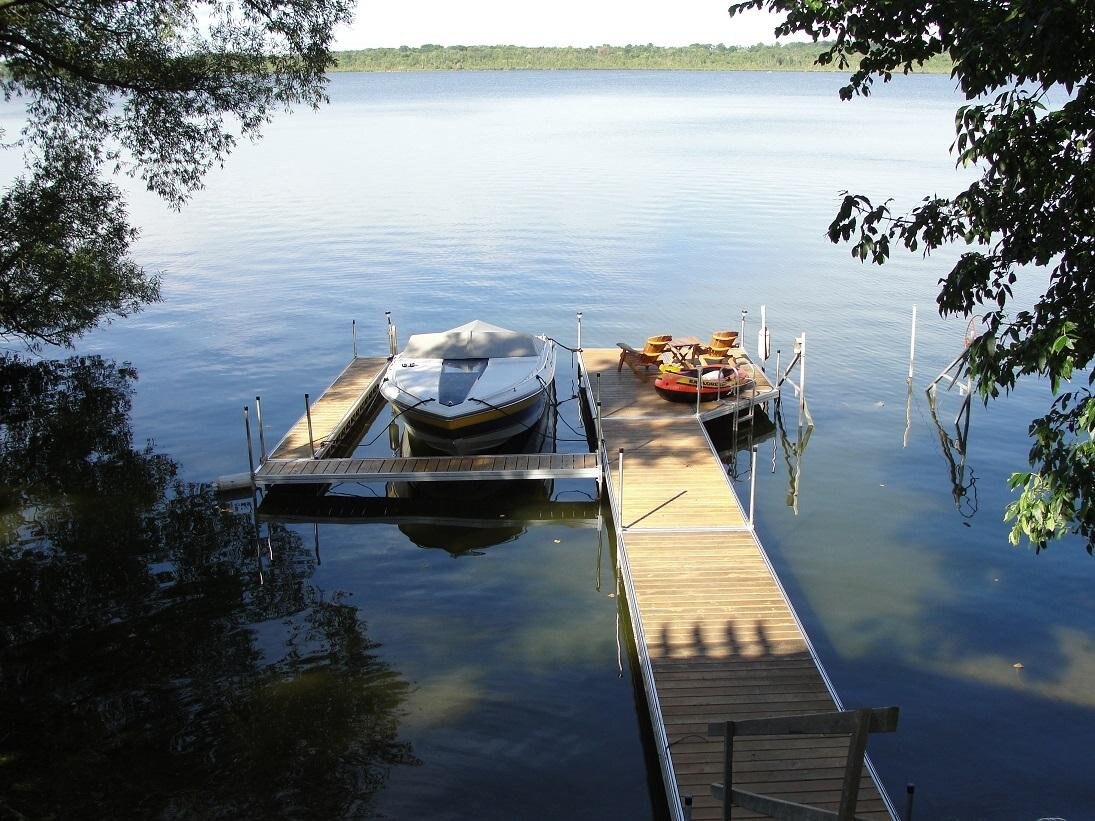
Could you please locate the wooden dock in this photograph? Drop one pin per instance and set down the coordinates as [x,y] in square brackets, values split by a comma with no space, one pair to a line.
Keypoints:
[335,412]
[431,469]
[716,634]
[341,409]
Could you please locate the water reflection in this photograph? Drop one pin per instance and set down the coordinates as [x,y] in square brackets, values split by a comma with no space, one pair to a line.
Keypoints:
[153,661]
[963,482]
[735,442]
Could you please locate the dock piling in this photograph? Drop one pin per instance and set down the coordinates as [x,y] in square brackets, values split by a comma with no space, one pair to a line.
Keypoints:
[620,493]
[752,486]
[250,450]
[579,345]
[741,338]
[308,413]
[912,344]
[262,436]
[393,342]
[353,331]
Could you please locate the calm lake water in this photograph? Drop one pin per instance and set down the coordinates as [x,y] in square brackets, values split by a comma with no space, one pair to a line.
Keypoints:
[155,666]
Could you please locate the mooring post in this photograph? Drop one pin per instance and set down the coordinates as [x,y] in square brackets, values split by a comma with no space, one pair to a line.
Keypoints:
[391,335]
[250,451]
[802,374]
[752,485]
[579,345]
[741,338]
[308,413]
[353,330]
[262,436]
[779,381]
[620,493]
[912,344]
[597,382]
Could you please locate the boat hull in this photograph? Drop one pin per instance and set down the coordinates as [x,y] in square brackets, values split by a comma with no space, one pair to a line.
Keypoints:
[475,433]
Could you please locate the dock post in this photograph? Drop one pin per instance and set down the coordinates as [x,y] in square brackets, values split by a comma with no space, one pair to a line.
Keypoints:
[912,345]
[353,330]
[741,338]
[250,451]
[909,790]
[308,413]
[779,379]
[262,436]
[619,494]
[752,485]
[598,385]
[392,342]
[802,377]
[579,345]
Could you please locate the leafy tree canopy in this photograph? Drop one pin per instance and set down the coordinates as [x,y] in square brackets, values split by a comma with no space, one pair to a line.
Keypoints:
[1030,213]
[159,89]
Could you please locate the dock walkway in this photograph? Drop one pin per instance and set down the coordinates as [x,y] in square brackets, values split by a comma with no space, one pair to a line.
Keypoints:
[716,635]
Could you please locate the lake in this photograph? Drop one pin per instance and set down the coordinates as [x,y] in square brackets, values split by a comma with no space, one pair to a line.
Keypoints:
[158,666]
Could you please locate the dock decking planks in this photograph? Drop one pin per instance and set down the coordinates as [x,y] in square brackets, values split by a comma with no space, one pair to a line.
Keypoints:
[349,388]
[429,468]
[722,640]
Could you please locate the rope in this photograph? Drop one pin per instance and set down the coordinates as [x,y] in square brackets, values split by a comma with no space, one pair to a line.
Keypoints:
[398,414]
[561,345]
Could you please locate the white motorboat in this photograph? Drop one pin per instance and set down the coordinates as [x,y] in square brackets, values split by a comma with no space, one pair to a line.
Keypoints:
[472,388]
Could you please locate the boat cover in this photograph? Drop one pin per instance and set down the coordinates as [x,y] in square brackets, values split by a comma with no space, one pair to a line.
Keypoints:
[475,340]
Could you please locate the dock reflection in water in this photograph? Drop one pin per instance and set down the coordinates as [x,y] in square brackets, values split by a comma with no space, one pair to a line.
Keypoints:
[516,651]
[153,661]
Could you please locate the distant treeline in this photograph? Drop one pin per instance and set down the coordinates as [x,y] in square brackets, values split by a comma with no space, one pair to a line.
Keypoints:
[788,57]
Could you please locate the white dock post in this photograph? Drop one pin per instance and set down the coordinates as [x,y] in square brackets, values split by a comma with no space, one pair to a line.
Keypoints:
[619,494]
[262,437]
[912,344]
[802,375]
[250,451]
[579,345]
[393,345]
[741,338]
[752,486]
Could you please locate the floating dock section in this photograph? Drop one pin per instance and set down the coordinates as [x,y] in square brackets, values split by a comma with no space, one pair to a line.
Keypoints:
[716,634]
[313,451]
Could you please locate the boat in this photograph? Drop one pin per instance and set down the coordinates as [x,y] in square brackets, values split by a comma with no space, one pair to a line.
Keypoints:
[682,383]
[472,388]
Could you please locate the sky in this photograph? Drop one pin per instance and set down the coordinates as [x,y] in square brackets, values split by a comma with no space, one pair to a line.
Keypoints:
[391,23]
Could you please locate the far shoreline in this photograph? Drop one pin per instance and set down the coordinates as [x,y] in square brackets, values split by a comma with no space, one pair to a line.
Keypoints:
[697,57]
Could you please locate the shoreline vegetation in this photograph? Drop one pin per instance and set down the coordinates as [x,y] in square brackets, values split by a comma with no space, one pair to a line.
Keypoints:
[696,57]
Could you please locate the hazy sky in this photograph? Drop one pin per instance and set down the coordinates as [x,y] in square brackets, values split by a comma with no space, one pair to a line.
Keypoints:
[558,23]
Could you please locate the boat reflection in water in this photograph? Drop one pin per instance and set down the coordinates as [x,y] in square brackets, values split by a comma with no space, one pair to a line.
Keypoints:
[490,513]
